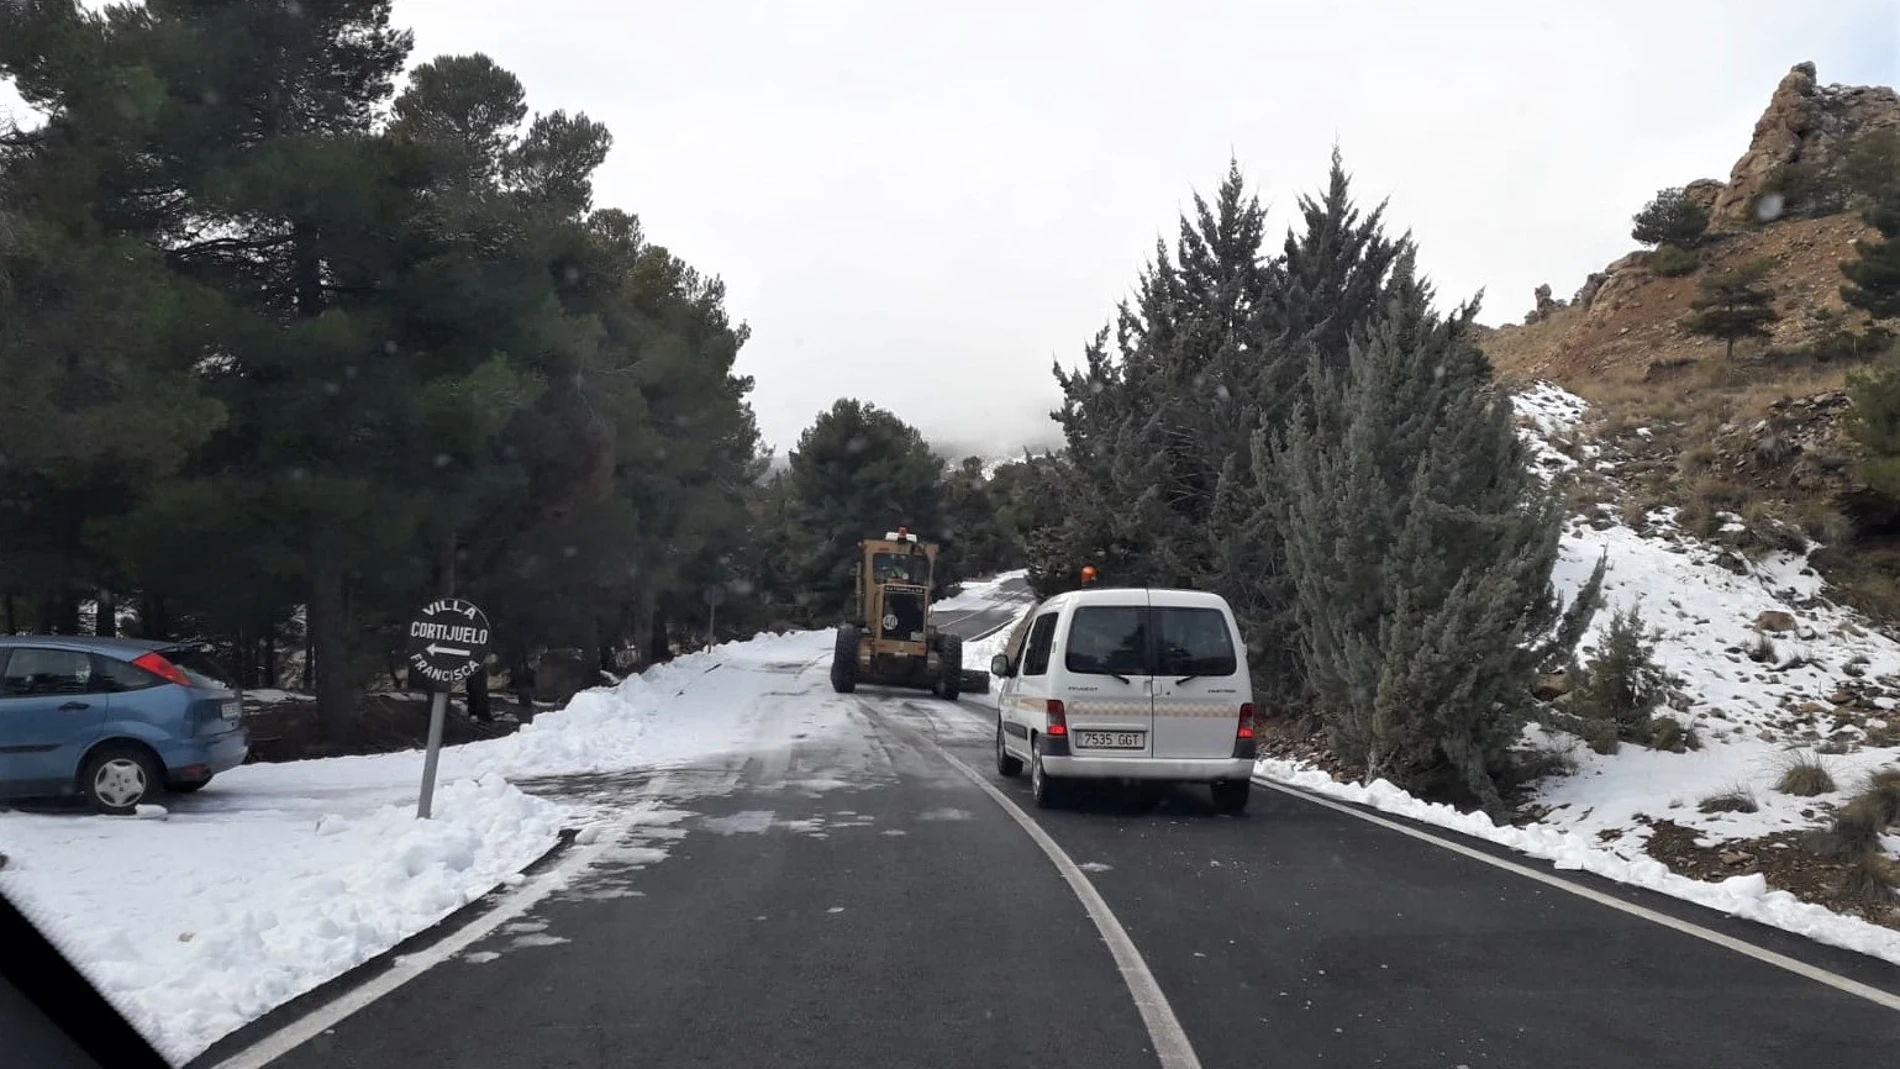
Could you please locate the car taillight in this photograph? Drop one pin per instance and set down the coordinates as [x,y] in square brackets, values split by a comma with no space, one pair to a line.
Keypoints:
[162,668]
[1058,724]
[1246,722]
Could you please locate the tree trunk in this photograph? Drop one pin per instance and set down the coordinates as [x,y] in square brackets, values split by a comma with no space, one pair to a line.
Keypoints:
[151,616]
[106,623]
[476,689]
[661,650]
[330,643]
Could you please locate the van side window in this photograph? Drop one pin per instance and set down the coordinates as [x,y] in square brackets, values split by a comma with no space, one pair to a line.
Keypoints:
[1195,642]
[1041,637]
[1109,640]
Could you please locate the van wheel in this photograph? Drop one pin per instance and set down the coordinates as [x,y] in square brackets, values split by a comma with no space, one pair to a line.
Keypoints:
[1008,765]
[844,660]
[1046,788]
[1230,796]
[118,779]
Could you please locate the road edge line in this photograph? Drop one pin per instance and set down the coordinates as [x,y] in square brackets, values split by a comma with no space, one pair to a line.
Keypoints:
[1171,1044]
[407,967]
[1690,928]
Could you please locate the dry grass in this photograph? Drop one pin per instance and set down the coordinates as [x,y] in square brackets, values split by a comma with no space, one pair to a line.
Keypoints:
[1822,522]
[1762,650]
[1869,882]
[1733,800]
[1805,776]
[1856,830]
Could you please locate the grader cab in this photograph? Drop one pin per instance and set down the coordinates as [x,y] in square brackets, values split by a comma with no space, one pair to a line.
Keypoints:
[889,639]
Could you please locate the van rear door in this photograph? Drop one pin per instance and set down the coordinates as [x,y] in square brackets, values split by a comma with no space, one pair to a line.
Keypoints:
[1200,679]
[1107,682]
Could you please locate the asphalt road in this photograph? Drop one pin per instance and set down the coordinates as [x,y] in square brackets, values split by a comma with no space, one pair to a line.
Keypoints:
[855,900]
[1013,596]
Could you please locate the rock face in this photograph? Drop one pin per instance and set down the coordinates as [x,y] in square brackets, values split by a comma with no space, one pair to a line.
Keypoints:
[1546,305]
[1703,192]
[1805,123]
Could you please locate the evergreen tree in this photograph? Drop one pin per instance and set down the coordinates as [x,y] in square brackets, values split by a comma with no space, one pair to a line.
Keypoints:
[1671,219]
[1875,424]
[272,360]
[1420,546]
[1874,274]
[1734,305]
[857,473]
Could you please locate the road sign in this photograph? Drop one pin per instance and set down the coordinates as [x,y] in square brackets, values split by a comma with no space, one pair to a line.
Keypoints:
[715,595]
[448,641]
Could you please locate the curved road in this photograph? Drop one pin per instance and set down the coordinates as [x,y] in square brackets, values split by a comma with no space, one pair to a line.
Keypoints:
[856,900]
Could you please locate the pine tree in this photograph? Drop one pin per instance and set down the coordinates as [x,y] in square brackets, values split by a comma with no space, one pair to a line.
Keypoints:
[1419,548]
[858,472]
[1875,424]
[1874,273]
[1734,305]
[1671,219]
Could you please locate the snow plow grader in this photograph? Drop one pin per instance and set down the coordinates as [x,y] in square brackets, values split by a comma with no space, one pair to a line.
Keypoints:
[890,640]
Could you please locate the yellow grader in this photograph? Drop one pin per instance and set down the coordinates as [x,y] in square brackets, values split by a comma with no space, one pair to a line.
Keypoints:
[890,640]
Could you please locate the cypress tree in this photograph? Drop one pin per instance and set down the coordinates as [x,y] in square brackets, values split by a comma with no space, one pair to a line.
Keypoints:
[1419,547]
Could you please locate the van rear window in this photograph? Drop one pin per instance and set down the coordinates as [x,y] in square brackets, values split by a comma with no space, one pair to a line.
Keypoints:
[1194,642]
[1135,641]
[1108,640]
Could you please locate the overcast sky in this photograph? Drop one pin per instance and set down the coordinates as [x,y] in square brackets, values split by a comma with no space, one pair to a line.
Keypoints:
[926,205]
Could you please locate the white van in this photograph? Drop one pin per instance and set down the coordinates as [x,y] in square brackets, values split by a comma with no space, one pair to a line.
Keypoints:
[1127,684]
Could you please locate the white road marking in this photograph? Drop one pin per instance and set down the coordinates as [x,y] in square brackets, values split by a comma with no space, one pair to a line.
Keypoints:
[1164,1029]
[410,966]
[1739,946]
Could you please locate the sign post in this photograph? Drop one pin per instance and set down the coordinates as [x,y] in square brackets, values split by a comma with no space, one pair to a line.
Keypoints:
[448,642]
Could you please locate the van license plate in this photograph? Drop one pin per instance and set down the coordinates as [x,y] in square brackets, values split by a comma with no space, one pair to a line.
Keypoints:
[1112,740]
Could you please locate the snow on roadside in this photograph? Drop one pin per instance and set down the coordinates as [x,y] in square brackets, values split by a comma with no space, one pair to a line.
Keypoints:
[982,593]
[1744,896]
[1703,606]
[279,877]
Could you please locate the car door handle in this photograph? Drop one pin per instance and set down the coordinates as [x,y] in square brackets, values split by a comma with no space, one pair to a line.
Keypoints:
[73,707]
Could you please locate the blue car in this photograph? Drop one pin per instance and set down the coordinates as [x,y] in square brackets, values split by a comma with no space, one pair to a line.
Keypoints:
[118,721]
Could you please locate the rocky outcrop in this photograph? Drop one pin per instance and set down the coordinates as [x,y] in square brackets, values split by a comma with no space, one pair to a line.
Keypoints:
[1620,280]
[1704,192]
[1806,123]
[1546,306]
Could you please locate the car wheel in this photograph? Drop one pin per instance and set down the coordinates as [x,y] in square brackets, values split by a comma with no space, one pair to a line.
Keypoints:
[1045,787]
[1230,796]
[1008,765]
[118,779]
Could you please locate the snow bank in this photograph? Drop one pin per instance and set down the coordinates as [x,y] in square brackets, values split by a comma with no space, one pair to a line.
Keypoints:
[1742,896]
[279,877]
[194,925]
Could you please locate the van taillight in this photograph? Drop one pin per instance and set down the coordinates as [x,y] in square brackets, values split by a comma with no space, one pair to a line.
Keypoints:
[162,668]
[1058,724]
[1246,722]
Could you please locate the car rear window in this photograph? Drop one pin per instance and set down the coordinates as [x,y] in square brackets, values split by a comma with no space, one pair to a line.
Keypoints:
[199,668]
[1108,640]
[1194,642]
